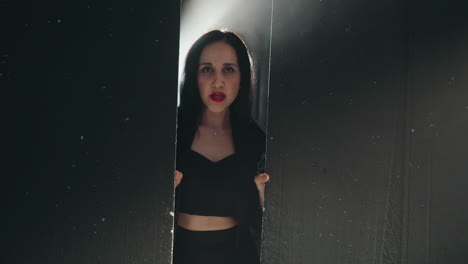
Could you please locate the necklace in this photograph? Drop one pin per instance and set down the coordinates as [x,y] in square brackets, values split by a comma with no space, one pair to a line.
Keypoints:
[217,133]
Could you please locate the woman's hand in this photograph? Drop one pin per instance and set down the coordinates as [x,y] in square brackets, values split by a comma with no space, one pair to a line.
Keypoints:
[260,181]
[177,178]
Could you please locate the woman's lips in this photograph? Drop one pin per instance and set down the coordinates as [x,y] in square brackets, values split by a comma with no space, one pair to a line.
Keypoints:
[217,97]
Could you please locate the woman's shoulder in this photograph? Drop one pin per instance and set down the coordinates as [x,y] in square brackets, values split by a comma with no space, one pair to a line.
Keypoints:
[256,137]
[185,131]
[256,129]
[255,146]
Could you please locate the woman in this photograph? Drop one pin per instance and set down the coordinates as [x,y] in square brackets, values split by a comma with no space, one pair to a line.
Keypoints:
[219,187]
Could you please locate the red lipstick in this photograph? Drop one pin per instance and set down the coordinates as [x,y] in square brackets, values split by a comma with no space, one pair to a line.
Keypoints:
[217,97]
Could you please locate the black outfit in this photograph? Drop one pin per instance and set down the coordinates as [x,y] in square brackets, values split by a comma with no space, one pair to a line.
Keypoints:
[211,247]
[222,188]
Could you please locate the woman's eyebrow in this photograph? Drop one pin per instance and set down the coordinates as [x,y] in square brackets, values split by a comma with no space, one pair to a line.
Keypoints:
[209,63]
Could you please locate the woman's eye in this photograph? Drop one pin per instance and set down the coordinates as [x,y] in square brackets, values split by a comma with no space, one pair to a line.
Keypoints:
[229,69]
[206,69]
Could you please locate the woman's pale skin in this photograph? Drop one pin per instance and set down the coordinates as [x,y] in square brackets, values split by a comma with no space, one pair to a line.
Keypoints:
[218,71]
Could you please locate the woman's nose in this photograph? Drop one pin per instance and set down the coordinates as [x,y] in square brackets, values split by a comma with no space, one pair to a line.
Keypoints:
[218,80]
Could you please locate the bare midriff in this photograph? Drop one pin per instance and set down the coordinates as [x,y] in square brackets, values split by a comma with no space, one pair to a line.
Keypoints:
[205,223]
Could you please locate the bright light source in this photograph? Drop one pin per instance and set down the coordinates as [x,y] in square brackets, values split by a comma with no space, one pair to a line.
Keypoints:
[197,18]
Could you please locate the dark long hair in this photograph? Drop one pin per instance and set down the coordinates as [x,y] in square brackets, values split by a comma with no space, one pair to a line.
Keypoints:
[191,106]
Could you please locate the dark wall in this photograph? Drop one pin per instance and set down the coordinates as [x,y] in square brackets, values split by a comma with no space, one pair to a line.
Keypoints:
[367,133]
[366,138]
[437,169]
[96,84]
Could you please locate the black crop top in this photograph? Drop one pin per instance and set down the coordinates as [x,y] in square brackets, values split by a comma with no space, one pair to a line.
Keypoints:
[208,188]
[225,187]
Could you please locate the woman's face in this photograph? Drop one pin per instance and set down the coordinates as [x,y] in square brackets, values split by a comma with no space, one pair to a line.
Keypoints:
[218,76]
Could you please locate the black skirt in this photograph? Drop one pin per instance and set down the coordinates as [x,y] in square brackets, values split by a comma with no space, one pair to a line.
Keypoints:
[228,246]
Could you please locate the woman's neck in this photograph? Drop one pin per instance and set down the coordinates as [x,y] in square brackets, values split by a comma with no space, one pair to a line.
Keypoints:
[218,121]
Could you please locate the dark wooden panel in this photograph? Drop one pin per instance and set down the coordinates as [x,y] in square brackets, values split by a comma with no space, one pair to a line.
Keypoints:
[438,143]
[335,136]
[97,140]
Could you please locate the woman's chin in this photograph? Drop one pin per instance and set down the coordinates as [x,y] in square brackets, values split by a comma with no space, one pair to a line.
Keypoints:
[216,109]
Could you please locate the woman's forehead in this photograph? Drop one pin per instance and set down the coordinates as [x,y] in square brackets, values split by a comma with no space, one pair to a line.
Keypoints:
[218,52]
